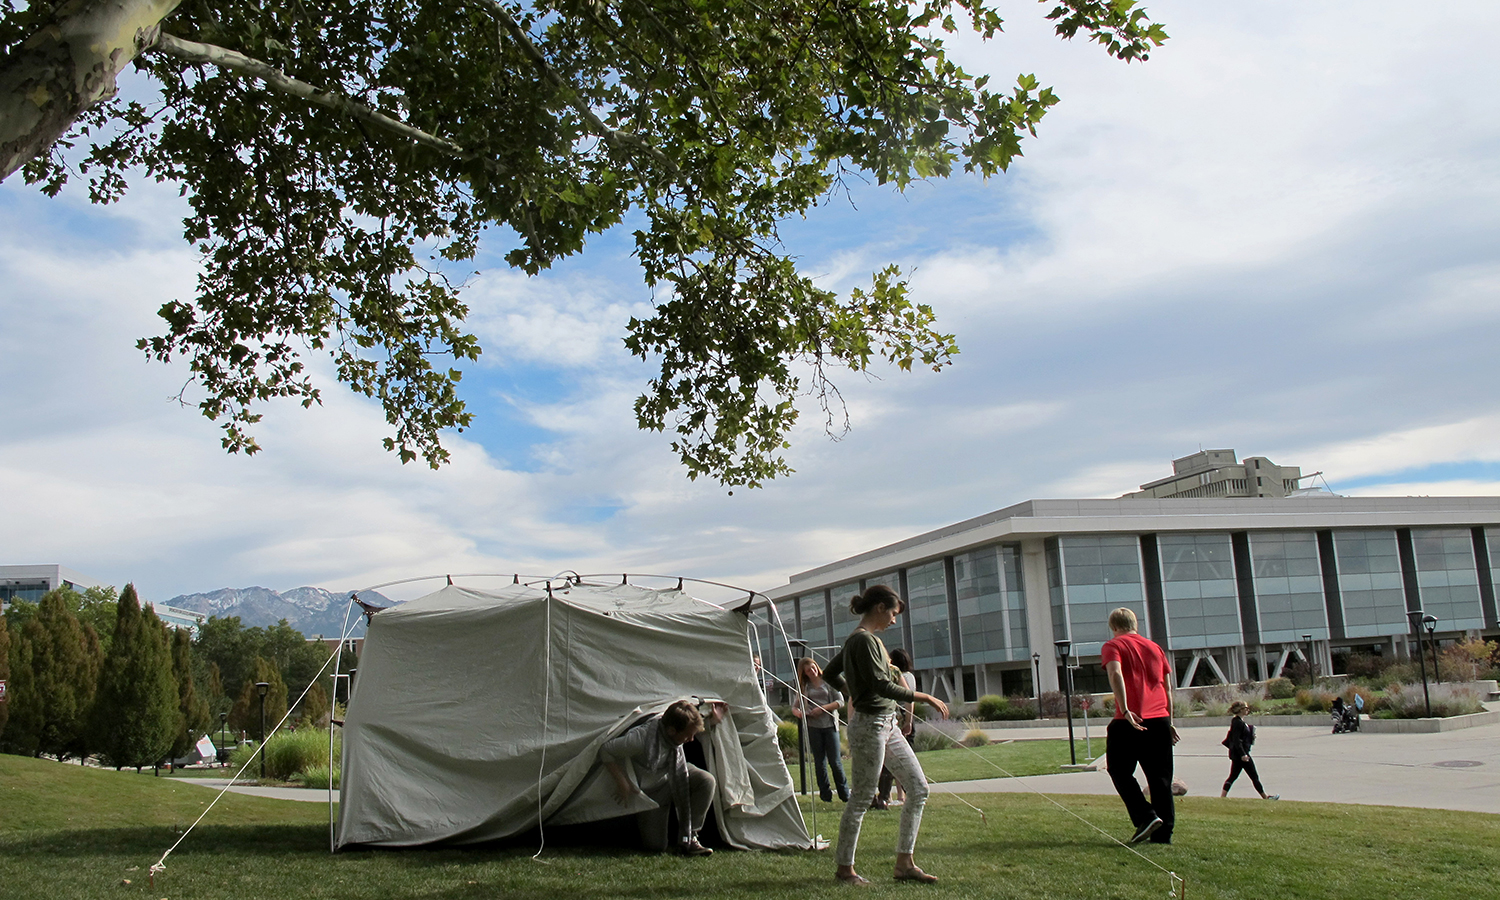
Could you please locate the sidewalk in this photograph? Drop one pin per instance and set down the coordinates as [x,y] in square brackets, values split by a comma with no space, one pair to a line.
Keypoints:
[1457,770]
[313,795]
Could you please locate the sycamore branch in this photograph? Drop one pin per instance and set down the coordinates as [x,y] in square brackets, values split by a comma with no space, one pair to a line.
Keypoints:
[274,78]
[613,136]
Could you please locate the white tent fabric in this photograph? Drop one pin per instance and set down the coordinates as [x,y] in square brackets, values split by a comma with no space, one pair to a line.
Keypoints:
[478,713]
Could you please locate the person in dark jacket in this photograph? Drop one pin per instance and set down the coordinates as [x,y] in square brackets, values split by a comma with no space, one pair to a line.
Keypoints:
[862,672]
[1239,739]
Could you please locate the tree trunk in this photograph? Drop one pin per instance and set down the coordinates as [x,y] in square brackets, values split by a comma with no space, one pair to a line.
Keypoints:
[67,67]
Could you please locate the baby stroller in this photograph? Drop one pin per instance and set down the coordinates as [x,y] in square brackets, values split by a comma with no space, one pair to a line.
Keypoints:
[1346,715]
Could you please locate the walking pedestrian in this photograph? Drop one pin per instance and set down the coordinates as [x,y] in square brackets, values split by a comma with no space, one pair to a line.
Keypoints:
[1142,732]
[1239,740]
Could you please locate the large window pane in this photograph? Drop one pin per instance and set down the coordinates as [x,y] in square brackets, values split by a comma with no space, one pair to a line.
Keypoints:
[991,615]
[1288,586]
[843,620]
[1369,567]
[1089,575]
[1447,577]
[815,625]
[927,607]
[1197,575]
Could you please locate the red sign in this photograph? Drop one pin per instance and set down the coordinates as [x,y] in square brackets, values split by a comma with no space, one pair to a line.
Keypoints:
[1085,702]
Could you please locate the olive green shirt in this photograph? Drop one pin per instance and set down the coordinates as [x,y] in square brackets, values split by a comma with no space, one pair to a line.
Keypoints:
[862,671]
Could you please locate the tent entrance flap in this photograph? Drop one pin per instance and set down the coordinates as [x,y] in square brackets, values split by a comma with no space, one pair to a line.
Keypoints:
[479,714]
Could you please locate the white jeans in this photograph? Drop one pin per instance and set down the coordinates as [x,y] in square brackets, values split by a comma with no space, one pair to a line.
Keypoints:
[874,743]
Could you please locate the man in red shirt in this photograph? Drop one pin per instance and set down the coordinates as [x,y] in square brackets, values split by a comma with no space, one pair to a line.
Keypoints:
[1142,732]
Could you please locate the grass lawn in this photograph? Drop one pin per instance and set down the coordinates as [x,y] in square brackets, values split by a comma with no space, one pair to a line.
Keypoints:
[1043,757]
[68,832]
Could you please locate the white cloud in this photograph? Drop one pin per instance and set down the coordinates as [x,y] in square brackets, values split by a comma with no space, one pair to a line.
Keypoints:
[1278,235]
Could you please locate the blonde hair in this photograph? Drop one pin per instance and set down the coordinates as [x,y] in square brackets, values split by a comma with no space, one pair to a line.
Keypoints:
[1238,707]
[1123,619]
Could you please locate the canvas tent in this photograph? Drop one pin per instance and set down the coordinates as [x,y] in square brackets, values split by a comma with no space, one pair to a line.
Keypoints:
[478,713]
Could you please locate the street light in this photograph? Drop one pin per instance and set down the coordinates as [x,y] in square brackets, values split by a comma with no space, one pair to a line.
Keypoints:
[1036,680]
[1417,617]
[262,687]
[1063,647]
[223,731]
[1310,679]
[1431,623]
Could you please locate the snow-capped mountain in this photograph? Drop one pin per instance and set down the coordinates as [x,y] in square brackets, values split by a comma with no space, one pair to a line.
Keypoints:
[310,610]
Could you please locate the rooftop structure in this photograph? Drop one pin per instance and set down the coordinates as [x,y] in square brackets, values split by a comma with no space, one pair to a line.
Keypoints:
[1216,473]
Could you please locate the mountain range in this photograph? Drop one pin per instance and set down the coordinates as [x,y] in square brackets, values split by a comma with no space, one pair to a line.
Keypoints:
[310,610]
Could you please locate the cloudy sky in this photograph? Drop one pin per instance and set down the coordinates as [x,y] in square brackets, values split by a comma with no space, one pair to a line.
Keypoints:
[1281,235]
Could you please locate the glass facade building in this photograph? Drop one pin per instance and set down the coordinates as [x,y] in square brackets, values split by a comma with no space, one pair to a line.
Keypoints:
[1228,587]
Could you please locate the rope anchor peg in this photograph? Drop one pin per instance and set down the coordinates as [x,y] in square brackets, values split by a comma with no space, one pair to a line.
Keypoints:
[1178,887]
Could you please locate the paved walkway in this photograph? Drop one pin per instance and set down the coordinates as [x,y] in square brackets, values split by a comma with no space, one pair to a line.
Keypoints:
[314,795]
[1454,770]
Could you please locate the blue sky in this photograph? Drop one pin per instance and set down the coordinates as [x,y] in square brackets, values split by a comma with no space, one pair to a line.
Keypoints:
[1280,235]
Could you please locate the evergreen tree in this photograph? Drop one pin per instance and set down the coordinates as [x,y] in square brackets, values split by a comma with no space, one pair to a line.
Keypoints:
[315,708]
[245,716]
[93,664]
[4,677]
[53,695]
[193,715]
[24,723]
[136,710]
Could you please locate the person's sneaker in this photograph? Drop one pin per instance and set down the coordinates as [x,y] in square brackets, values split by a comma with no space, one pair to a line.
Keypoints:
[693,848]
[1145,830]
[878,803]
[1274,797]
[826,798]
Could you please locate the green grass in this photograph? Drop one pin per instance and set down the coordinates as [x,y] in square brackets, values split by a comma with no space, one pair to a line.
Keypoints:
[1040,757]
[67,832]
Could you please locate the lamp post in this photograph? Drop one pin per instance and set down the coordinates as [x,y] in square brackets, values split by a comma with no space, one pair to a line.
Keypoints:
[223,732]
[1063,647]
[1431,624]
[1036,679]
[1310,679]
[1417,616]
[262,687]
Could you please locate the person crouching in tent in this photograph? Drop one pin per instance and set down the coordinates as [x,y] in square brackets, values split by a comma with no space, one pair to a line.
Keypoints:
[653,746]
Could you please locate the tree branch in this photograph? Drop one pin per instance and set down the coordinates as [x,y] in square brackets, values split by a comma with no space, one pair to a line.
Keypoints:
[274,78]
[613,136]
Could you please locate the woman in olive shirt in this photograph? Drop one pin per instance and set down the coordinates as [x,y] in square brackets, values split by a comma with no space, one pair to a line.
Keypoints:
[862,671]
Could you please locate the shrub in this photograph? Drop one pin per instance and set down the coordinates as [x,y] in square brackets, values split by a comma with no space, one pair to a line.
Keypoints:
[1315,699]
[931,738]
[1365,665]
[1281,689]
[786,738]
[991,706]
[975,736]
[1468,660]
[1017,709]
[316,777]
[1180,709]
[1407,702]
[1053,704]
[288,753]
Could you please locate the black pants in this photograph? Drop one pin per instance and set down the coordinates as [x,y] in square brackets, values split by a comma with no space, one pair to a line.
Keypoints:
[1125,748]
[1247,766]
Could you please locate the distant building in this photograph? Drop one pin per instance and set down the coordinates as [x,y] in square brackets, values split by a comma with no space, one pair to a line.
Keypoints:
[1231,587]
[178,619]
[29,583]
[1216,473]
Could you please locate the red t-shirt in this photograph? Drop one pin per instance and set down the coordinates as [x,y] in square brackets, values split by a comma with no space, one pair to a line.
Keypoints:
[1144,666]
